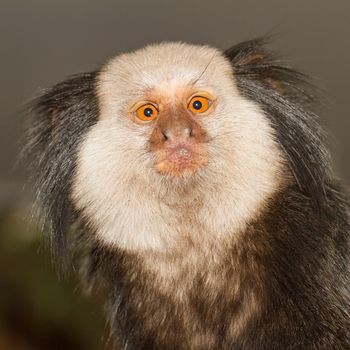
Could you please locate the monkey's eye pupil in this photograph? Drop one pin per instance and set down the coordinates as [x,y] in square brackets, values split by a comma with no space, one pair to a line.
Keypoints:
[197,105]
[148,112]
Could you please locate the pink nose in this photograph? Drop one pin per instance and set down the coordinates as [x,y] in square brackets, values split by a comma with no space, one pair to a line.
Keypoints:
[174,135]
[174,129]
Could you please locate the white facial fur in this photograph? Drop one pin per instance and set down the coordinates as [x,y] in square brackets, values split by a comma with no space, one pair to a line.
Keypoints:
[133,207]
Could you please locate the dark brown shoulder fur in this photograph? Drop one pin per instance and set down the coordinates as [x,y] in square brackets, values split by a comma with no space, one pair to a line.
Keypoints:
[293,264]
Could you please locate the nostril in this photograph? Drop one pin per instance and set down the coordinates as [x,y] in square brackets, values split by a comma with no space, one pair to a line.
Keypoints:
[165,135]
[188,132]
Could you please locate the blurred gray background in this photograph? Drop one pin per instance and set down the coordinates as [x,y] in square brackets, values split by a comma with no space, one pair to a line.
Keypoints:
[43,42]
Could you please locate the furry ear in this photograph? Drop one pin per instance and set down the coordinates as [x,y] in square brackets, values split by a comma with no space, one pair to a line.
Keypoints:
[252,60]
[284,95]
[59,119]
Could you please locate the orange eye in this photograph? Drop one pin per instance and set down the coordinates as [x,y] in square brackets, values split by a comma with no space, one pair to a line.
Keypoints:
[147,112]
[199,104]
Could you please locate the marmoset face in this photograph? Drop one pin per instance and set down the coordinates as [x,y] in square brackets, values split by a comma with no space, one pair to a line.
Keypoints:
[173,132]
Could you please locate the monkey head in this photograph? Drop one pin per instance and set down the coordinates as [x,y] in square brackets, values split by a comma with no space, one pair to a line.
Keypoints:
[169,133]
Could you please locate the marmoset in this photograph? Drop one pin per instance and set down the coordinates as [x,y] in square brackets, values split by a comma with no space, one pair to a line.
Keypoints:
[200,184]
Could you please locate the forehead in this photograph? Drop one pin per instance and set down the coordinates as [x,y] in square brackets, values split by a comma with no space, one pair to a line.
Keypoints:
[164,67]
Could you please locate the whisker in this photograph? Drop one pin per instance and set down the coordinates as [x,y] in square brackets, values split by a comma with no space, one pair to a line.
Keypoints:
[204,70]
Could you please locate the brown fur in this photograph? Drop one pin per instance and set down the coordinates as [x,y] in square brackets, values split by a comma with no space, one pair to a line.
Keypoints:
[220,296]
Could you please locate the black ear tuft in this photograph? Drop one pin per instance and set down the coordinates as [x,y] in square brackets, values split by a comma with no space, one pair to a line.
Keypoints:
[59,119]
[253,60]
[284,94]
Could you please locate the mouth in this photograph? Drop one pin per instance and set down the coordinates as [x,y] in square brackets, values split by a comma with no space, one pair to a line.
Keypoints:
[180,158]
